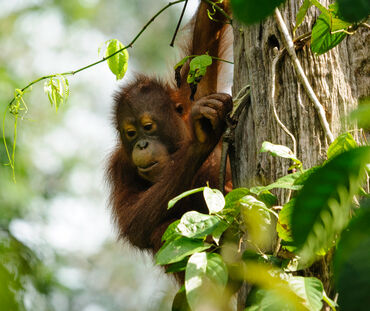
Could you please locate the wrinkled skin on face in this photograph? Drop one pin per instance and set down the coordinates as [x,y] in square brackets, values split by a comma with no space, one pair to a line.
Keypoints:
[150,127]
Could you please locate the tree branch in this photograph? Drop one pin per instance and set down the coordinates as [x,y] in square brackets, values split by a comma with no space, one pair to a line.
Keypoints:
[73,72]
[289,45]
[273,75]
[179,23]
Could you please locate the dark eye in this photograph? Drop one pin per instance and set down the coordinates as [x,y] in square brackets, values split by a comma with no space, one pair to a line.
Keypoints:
[130,133]
[179,108]
[148,127]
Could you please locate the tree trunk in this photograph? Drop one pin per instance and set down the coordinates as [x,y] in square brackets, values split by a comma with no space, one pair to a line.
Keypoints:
[338,78]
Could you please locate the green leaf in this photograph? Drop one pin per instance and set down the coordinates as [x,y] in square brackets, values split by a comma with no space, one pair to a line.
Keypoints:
[352,262]
[205,279]
[279,151]
[285,182]
[172,202]
[177,266]
[180,303]
[261,299]
[342,143]
[233,197]
[302,13]
[310,289]
[257,220]
[268,198]
[219,230]
[323,9]
[307,173]
[322,39]
[354,10]
[362,114]
[117,63]
[253,11]
[171,232]
[178,249]
[321,209]
[277,293]
[198,68]
[181,62]
[196,225]
[214,199]
[284,226]
[57,89]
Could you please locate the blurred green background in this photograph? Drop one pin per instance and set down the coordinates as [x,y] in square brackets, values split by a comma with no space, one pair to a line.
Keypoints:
[58,247]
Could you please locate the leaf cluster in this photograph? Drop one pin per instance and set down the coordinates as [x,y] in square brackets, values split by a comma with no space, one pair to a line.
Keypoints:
[309,226]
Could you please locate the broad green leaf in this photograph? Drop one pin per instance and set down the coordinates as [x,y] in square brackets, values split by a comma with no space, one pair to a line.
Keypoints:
[279,151]
[171,232]
[323,39]
[178,249]
[342,143]
[321,208]
[362,114]
[216,270]
[177,266]
[198,68]
[261,299]
[214,199]
[310,289]
[219,230]
[283,226]
[235,195]
[117,63]
[196,225]
[323,9]
[205,279]
[268,198]
[253,11]
[354,10]
[180,303]
[302,13]
[181,62]
[172,202]
[257,221]
[232,199]
[276,294]
[200,62]
[307,173]
[352,262]
[285,182]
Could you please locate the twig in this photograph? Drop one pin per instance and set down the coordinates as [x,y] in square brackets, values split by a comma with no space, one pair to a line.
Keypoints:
[365,25]
[218,8]
[273,75]
[302,77]
[73,72]
[179,23]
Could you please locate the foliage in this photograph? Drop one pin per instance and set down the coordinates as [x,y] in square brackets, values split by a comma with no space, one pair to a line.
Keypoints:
[342,18]
[254,11]
[192,244]
[117,58]
[354,10]
[309,226]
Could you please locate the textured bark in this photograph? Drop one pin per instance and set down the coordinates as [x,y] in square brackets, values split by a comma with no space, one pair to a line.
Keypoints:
[338,78]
